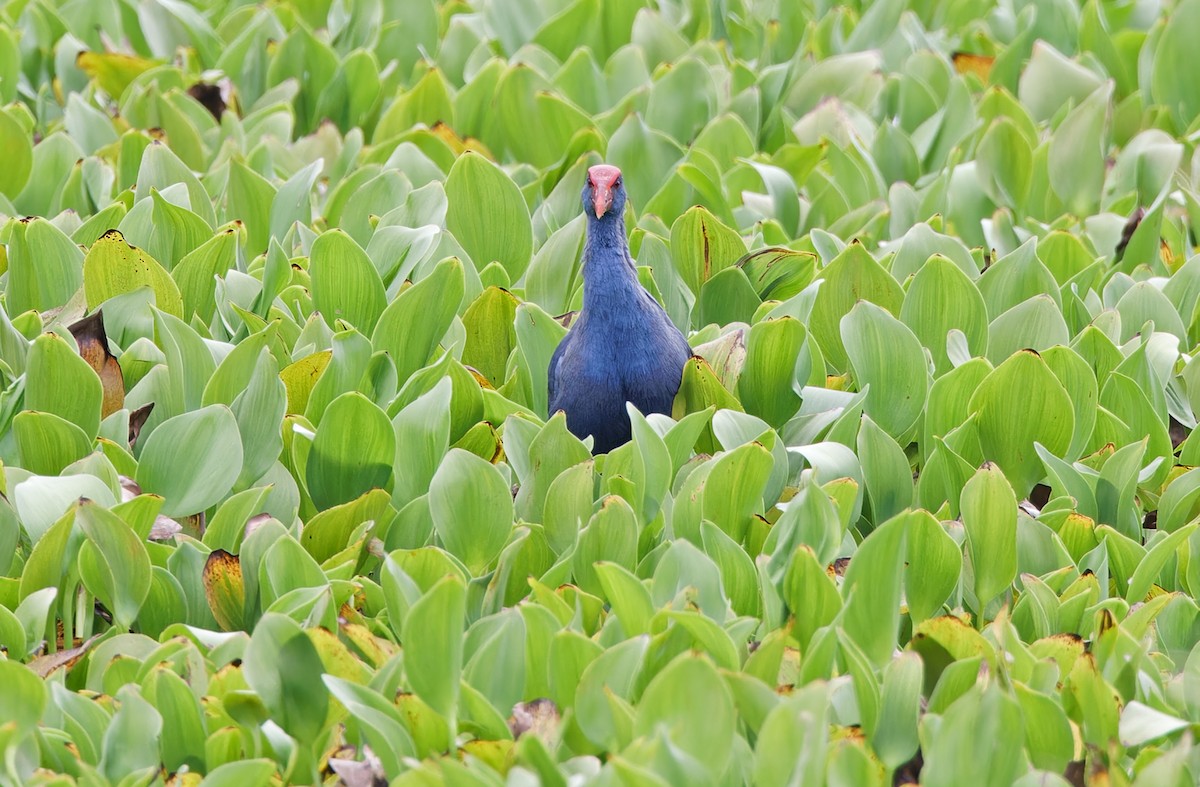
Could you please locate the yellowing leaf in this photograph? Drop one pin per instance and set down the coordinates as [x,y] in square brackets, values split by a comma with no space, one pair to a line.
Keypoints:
[113,71]
[112,267]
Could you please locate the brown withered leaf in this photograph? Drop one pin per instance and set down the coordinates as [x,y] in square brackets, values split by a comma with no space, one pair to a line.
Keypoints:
[1127,231]
[44,665]
[367,772]
[93,346]
[224,589]
[539,718]
[209,97]
[137,419]
[129,488]
[164,529]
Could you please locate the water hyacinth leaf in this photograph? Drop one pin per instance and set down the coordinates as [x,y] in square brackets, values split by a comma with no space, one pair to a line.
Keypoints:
[872,591]
[114,563]
[192,460]
[610,537]
[886,356]
[434,645]
[978,710]
[47,443]
[689,698]
[195,274]
[59,381]
[941,298]
[293,200]
[1170,82]
[768,381]
[491,336]
[381,720]
[778,273]
[352,452]
[852,276]
[886,471]
[1004,163]
[988,512]
[345,285]
[727,297]
[411,326]
[810,593]
[167,232]
[702,247]
[44,266]
[283,668]
[472,508]
[895,734]
[14,139]
[1019,403]
[422,431]
[487,214]
[934,566]
[112,267]
[1077,148]
[612,672]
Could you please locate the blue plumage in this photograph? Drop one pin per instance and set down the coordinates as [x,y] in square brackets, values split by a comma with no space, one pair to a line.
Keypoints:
[622,347]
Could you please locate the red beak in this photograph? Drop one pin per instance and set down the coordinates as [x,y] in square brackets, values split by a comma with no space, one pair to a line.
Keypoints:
[602,200]
[602,177]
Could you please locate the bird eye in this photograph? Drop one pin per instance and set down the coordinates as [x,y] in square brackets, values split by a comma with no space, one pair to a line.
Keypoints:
[590,183]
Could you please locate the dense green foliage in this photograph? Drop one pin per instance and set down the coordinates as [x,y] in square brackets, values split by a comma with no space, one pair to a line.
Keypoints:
[281,501]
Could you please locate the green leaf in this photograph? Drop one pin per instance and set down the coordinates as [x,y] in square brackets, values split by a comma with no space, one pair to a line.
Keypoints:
[59,381]
[433,639]
[114,564]
[989,514]
[1019,403]
[852,276]
[702,247]
[44,267]
[941,298]
[872,591]
[885,355]
[284,669]
[768,383]
[472,508]
[192,460]
[1171,83]
[19,155]
[411,326]
[352,452]
[491,336]
[345,285]
[488,215]
[692,703]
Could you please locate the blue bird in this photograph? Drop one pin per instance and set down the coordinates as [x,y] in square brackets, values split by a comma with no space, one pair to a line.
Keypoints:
[622,347]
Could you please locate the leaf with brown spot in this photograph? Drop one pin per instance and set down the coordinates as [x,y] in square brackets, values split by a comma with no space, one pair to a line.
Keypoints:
[92,339]
[224,589]
[300,377]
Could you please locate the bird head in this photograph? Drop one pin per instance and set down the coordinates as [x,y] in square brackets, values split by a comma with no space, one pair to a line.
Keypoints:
[604,192]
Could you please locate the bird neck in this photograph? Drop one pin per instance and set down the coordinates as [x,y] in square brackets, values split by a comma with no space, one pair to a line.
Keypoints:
[609,275]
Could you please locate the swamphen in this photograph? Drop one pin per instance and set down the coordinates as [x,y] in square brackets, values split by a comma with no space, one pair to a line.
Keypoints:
[622,347]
